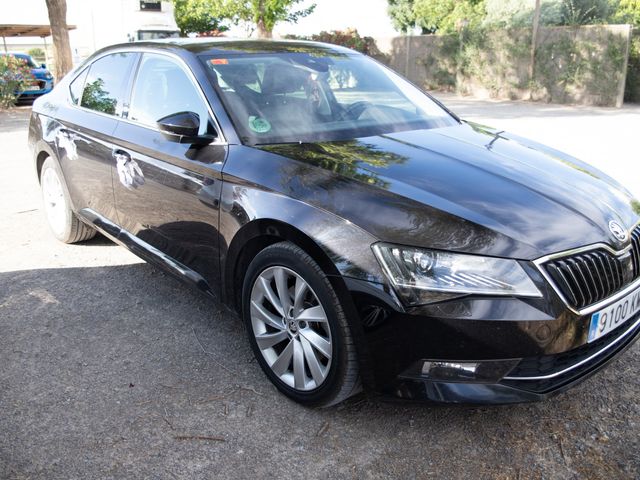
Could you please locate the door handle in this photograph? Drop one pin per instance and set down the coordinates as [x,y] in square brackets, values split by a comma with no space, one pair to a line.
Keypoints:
[129,172]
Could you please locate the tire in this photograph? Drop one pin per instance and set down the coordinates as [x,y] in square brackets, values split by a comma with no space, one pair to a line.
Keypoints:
[63,222]
[304,332]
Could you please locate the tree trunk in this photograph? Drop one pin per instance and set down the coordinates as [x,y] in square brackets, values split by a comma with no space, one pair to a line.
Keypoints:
[61,48]
[263,32]
[534,42]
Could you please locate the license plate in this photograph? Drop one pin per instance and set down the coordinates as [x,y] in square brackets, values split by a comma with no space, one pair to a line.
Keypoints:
[611,317]
[30,88]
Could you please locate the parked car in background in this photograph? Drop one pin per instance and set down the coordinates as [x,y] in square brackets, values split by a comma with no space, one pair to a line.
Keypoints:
[43,80]
[368,237]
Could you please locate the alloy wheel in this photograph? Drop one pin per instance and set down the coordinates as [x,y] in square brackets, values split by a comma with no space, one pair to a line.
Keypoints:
[55,205]
[291,328]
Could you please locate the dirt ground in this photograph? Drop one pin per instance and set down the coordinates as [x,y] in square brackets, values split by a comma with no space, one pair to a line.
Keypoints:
[111,369]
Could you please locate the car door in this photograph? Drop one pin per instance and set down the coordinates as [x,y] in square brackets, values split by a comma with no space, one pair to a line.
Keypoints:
[84,138]
[167,193]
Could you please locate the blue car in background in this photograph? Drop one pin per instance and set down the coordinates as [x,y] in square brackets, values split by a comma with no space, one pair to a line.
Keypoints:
[43,79]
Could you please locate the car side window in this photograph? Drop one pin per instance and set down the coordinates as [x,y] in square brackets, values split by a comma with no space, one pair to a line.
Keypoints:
[162,88]
[76,86]
[104,89]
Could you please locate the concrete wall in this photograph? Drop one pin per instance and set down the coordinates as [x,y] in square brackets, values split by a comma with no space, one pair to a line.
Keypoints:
[575,65]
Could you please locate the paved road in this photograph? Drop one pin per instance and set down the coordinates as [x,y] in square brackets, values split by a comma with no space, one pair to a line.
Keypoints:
[111,369]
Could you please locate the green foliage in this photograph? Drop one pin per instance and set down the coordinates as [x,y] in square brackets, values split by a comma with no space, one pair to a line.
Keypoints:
[632,90]
[628,11]
[265,13]
[349,38]
[402,15]
[519,13]
[585,12]
[572,65]
[15,75]
[566,65]
[431,16]
[38,55]
[96,98]
[448,16]
[197,16]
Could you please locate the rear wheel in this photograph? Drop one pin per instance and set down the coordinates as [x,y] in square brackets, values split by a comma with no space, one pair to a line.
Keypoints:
[297,328]
[63,222]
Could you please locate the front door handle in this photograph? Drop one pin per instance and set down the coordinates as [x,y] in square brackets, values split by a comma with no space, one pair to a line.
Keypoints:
[129,172]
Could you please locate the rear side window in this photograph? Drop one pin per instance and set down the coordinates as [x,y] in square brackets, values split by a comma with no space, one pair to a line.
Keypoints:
[75,88]
[163,88]
[104,89]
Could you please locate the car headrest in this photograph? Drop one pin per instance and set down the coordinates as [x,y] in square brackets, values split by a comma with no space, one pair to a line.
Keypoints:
[238,75]
[282,78]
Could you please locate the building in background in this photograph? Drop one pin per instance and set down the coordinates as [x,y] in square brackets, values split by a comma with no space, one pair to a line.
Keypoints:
[98,23]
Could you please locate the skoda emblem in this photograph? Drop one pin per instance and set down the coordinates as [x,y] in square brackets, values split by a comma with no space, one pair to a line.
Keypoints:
[618,232]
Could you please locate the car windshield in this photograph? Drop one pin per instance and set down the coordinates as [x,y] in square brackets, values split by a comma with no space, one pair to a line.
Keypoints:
[304,97]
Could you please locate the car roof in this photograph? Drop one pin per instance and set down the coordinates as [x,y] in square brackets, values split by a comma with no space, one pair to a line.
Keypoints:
[233,46]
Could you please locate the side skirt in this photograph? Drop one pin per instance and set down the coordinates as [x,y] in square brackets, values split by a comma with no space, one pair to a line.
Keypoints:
[145,251]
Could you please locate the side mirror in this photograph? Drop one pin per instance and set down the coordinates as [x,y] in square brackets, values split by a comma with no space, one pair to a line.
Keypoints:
[183,127]
[43,65]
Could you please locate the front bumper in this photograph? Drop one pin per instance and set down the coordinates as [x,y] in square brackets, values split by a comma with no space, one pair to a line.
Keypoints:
[44,86]
[545,342]
[533,379]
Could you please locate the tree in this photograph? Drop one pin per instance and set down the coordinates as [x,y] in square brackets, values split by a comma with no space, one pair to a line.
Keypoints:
[263,13]
[57,10]
[628,11]
[519,13]
[585,12]
[38,54]
[196,16]
[448,16]
[402,15]
[431,16]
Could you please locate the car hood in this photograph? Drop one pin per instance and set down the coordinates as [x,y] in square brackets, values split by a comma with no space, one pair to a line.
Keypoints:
[465,188]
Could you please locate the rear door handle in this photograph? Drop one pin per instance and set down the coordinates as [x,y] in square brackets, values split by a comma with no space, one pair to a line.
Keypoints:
[129,172]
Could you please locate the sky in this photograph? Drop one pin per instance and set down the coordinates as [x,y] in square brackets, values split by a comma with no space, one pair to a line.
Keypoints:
[369,17]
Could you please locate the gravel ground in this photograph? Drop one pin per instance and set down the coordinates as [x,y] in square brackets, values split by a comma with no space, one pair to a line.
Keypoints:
[112,369]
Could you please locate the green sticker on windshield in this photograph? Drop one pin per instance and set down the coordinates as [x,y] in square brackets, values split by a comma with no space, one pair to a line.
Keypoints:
[259,125]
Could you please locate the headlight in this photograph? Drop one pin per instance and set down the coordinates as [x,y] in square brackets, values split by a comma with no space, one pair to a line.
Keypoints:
[48,76]
[422,276]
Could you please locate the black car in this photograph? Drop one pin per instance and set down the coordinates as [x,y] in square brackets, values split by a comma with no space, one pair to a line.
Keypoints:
[369,238]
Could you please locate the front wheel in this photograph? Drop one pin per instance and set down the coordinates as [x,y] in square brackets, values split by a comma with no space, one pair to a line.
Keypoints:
[63,222]
[297,327]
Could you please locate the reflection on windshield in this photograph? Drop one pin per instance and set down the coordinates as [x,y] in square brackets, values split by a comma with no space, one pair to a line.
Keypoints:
[294,97]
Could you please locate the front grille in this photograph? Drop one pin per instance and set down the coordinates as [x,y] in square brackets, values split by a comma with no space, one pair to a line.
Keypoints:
[42,84]
[589,277]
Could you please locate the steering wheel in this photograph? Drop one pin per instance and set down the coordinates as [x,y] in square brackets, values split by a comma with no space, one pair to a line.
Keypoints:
[357,108]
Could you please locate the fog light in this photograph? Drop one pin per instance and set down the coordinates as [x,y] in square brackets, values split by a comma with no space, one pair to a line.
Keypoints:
[481,371]
[449,370]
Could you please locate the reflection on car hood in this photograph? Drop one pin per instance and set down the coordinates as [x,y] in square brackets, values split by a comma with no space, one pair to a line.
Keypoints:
[466,188]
